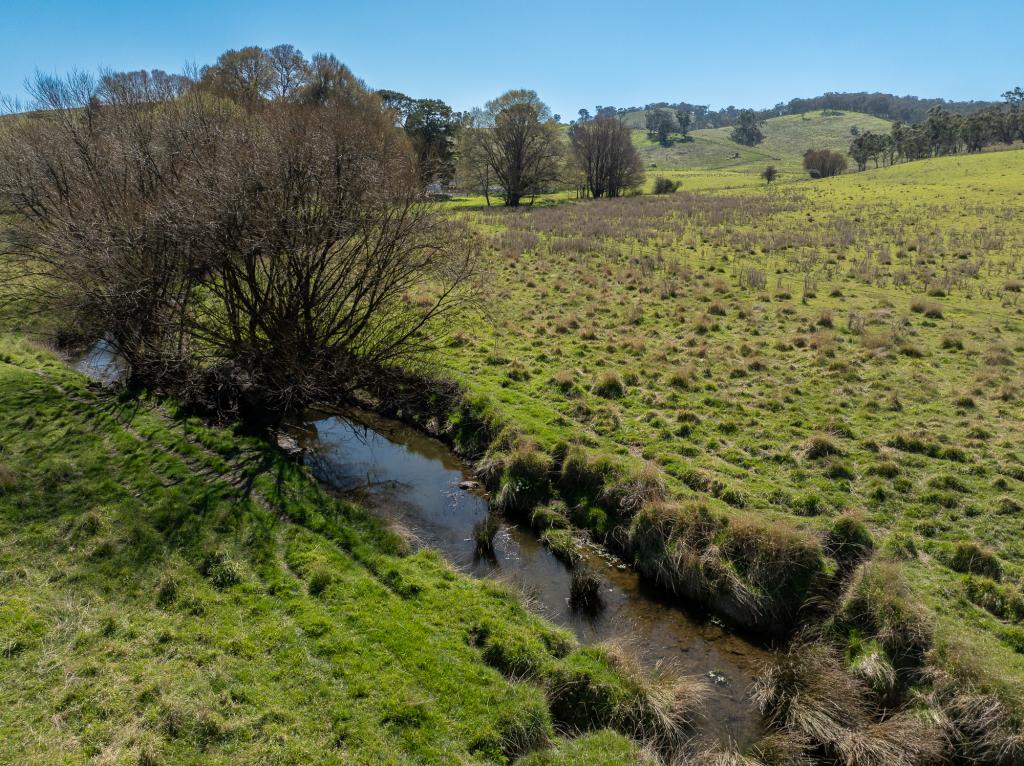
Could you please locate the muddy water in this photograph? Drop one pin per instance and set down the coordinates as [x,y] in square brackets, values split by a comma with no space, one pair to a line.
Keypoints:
[412,481]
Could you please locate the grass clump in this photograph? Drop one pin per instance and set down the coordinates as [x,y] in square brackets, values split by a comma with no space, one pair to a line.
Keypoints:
[971,558]
[879,603]
[808,693]
[610,385]
[602,686]
[584,590]
[525,479]
[848,540]
[484,532]
[757,574]
[821,446]
[562,544]
[220,569]
[551,515]
[1004,600]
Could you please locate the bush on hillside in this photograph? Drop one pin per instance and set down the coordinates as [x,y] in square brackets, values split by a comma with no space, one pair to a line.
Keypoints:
[664,185]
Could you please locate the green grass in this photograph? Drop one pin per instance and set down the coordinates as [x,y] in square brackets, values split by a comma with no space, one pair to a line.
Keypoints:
[785,141]
[751,326]
[174,593]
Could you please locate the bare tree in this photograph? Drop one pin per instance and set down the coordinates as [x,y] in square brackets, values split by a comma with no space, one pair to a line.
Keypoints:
[472,171]
[520,143]
[331,267]
[101,231]
[603,149]
[290,70]
[284,244]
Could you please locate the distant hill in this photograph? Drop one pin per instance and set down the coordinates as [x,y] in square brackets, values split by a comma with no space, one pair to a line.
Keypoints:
[884,105]
[786,140]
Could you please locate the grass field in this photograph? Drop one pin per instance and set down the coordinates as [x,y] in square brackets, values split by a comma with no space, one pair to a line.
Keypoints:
[785,141]
[173,593]
[796,358]
[764,398]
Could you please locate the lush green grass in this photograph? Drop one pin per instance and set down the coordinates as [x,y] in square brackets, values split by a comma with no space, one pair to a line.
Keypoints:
[844,347]
[173,593]
[785,141]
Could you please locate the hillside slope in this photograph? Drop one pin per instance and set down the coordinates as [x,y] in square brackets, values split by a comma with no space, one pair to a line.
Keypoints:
[786,140]
[174,594]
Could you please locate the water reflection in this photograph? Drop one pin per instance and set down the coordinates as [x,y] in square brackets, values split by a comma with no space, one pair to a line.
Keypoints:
[413,481]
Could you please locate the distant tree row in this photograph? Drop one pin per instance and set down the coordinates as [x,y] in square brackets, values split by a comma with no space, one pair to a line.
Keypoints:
[884,105]
[512,147]
[943,132]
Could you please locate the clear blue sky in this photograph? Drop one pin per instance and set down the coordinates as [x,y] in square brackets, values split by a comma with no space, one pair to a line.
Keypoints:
[572,54]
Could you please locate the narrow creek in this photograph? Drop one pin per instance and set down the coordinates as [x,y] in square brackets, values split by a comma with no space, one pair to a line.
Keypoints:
[412,481]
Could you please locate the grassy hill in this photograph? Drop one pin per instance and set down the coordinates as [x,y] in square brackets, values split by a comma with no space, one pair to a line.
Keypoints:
[792,359]
[173,593]
[786,140]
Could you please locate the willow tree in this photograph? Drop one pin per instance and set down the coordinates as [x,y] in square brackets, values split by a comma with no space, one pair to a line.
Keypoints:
[520,143]
[278,246]
[603,150]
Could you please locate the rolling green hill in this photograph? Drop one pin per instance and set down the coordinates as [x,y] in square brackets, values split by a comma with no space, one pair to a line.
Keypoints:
[786,140]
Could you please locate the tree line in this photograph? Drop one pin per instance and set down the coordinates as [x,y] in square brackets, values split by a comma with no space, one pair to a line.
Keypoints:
[942,132]
[884,105]
[258,231]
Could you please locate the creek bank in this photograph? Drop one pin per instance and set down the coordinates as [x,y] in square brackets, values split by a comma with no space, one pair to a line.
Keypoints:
[414,482]
[759,576]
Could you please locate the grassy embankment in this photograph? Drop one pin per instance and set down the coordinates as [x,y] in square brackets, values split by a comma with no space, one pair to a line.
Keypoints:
[175,593]
[793,369]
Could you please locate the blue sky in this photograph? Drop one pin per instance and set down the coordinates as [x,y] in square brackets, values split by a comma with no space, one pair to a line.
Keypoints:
[572,54]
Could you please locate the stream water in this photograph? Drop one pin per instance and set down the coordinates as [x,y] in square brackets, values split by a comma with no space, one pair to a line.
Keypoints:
[412,481]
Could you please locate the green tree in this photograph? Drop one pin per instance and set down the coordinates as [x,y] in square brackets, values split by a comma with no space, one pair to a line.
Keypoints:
[748,129]
[660,123]
[684,118]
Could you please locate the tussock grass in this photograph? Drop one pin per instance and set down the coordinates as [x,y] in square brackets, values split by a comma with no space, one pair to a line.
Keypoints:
[610,385]
[879,602]
[484,532]
[525,479]
[757,574]
[585,590]
[562,544]
[971,558]
[808,692]
[659,708]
